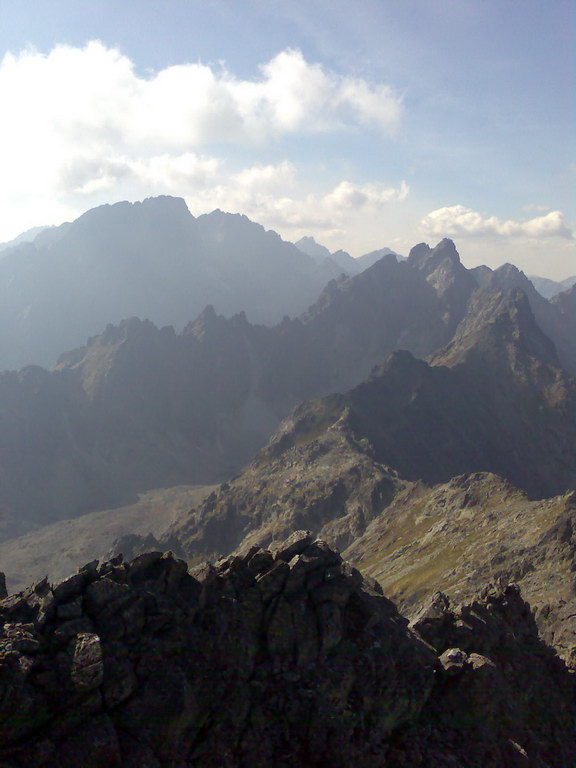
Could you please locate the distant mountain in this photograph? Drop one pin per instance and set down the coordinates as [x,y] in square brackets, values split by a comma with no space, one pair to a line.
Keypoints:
[494,400]
[26,237]
[152,260]
[310,247]
[368,259]
[342,259]
[550,288]
[356,467]
[141,407]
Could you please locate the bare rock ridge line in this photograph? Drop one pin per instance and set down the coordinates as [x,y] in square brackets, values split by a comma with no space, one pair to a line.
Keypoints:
[152,259]
[140,407]
[549,288]
[494,401]
[284,658]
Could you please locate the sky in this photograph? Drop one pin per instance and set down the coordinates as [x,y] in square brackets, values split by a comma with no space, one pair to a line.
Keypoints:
[364,123]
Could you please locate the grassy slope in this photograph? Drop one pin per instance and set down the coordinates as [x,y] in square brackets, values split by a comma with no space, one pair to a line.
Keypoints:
[57,550]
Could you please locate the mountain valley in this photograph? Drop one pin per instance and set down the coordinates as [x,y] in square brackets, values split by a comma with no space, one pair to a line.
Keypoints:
[139,407]
[415,415]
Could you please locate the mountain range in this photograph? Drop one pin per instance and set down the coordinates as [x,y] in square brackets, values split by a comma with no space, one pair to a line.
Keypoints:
[151,259]
[140,407]
[414,414]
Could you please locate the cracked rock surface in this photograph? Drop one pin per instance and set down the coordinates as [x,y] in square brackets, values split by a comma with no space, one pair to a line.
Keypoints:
[285,658]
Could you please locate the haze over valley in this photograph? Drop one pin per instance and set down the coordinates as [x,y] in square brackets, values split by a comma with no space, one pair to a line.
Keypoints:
[287,385]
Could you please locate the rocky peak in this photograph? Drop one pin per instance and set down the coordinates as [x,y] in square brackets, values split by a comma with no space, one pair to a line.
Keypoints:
[508,277]
[500,328]
[169,210]
[207,320]
[309,246]
[427,259]
[287,658]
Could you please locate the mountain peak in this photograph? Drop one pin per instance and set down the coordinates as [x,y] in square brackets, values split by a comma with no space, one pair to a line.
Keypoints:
[426,259]
[500,329]
[163,205]
[447,248]
[310,247]
[208,318]
[419,253]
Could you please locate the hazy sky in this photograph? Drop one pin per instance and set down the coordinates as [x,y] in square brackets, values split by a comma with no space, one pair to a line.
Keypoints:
[364,123]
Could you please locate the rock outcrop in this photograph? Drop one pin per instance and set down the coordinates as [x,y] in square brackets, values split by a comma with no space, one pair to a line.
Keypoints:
[284,658]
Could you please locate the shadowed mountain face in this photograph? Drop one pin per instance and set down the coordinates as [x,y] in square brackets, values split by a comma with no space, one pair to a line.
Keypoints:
[153,260]
[141,407]
[288,658]
[494,400]
[356,468]
[550,288]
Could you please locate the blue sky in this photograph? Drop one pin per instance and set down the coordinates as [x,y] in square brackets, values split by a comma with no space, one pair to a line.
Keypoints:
[364,123]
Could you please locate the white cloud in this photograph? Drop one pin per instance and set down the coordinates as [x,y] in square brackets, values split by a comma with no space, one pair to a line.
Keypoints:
[80,126]
[459,221]
[273,195]
[293,95]
[535,207]
[350,196]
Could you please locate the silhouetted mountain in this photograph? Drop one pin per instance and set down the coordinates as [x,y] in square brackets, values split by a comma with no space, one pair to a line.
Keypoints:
[140,407]
[25,237]
[340,258]
[494,400]
[152,260]
[309,246]
[550,288]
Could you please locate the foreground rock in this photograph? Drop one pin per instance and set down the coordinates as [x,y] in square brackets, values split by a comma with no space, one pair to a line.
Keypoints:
[287,659]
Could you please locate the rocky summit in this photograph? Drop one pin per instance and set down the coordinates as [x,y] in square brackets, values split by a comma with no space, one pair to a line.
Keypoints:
[277,658]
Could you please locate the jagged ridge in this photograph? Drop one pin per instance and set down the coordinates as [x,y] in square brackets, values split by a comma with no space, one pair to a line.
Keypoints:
[285,659]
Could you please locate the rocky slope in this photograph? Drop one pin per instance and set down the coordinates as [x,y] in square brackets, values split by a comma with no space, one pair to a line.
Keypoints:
[140,407]
[54,550]
[285,659]
[357,468]
[477,529]
[493,400]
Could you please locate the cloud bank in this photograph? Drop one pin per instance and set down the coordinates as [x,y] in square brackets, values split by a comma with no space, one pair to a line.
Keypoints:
[273,195]
[80,126]
[459,221]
